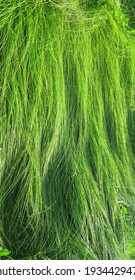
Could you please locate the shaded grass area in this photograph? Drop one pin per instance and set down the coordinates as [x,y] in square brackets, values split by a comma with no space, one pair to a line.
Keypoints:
[67,111]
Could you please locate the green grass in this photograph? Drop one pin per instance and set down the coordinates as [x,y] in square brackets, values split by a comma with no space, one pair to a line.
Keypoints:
[67,119]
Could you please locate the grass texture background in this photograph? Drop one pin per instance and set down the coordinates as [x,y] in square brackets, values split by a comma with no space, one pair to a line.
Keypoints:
[67,129]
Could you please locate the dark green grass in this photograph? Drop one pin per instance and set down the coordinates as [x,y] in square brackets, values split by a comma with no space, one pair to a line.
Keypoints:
[68,157]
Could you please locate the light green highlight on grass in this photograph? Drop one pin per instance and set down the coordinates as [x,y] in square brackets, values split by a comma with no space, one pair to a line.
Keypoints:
[4,252]
[67,141]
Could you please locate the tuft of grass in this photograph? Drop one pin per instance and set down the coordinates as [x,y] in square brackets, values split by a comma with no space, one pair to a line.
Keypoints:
[67,138]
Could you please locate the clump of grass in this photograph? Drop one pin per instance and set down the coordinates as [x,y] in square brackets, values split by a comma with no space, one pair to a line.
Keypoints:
[68,71]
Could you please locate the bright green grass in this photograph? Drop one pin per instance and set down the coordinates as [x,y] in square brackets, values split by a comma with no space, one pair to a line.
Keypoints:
[67,137]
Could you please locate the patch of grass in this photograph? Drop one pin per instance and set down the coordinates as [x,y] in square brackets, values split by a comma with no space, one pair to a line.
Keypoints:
[67,141]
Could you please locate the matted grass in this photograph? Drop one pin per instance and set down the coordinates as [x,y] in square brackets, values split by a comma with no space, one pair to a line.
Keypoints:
[67,115]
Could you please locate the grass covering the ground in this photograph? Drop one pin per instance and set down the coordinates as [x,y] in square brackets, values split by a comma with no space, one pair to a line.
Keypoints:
[67,129]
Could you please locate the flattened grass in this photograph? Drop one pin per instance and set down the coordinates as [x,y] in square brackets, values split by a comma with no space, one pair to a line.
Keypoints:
[67,74]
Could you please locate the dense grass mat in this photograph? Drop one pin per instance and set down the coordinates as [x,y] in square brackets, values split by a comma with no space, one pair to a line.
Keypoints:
[67,129]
